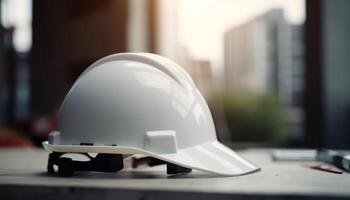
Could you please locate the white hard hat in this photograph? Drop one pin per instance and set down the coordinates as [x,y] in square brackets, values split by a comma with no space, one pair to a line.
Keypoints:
[142,103]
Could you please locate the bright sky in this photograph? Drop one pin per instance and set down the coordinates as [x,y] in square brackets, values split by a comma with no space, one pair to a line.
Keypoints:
[202,23]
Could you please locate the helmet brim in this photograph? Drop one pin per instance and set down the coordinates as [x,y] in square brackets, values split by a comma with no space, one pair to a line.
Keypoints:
[212,157]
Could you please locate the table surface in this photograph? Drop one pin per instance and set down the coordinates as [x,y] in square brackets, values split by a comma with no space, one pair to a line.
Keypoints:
[23,174]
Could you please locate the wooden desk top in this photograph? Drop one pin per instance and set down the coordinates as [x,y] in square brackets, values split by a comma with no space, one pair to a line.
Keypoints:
[23,175]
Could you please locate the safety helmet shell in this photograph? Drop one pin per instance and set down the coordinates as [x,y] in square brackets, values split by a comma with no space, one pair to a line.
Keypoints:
[130,103]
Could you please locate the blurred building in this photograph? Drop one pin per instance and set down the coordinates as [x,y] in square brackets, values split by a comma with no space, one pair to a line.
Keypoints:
[168,45]
[15,33]
[266,55]
[68,36]
[298,64]
[201,73]
[8,72]
[200,70]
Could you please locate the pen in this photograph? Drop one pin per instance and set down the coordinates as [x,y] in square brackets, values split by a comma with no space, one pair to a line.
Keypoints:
[340,160]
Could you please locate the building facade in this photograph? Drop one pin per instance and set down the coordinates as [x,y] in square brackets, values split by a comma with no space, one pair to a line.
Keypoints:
[265,55]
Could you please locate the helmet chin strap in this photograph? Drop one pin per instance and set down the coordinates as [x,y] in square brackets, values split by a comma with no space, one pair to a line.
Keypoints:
[104,163]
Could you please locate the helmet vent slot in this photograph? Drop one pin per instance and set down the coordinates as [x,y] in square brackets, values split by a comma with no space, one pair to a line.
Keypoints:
[86,144]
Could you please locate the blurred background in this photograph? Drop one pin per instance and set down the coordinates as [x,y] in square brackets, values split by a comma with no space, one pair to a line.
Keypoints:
[274,72]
